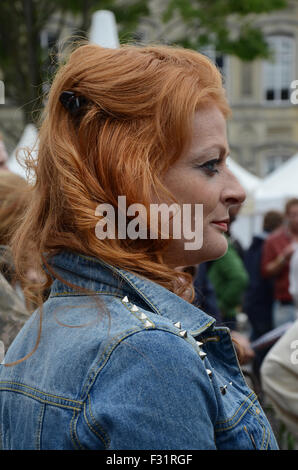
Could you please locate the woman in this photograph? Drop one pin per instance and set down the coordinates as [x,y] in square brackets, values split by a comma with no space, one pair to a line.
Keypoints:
[134,365]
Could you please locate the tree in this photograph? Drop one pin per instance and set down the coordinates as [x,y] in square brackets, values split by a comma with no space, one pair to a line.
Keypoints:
[225,24]
[25,63]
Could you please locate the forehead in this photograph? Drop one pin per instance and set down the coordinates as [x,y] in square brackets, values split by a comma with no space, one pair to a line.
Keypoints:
[209,128]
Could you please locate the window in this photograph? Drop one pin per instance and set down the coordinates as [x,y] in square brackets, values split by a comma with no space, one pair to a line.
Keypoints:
[279,70]
[216,57]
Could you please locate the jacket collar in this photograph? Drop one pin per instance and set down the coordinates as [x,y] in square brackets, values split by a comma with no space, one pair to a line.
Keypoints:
[94,273]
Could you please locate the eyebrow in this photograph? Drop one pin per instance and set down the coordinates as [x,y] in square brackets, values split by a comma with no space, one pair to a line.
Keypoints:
[223,150]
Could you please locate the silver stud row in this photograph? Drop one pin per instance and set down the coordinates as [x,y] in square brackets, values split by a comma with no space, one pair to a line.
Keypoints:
[142,316]
[202,354]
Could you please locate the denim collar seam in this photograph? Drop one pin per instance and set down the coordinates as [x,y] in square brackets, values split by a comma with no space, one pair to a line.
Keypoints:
[124,276]
[71,294]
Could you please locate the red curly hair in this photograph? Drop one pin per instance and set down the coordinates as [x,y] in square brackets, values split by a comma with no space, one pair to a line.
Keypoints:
[137,121]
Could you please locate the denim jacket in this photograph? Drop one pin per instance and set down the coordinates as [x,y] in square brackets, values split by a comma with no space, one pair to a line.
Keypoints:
[149,371]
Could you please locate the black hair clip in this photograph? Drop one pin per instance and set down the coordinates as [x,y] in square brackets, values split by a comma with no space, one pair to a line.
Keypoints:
[72,102]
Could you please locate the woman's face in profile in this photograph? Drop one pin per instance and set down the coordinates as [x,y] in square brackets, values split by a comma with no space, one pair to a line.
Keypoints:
[201,177]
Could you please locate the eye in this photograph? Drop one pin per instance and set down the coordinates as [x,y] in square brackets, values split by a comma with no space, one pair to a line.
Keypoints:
[210,167]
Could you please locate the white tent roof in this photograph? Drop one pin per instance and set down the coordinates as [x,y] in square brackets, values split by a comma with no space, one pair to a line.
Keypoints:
[29,139]
[281,183]
[249,181]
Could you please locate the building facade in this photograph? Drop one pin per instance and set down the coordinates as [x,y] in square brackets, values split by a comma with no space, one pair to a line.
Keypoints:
[263,132]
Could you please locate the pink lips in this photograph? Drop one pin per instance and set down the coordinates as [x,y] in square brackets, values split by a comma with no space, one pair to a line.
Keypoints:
[223,225]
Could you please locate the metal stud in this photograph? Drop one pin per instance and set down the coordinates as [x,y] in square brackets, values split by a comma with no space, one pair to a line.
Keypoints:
[223,389]
[199,343]
[202,355]
[183,333]
[134,308]
[148,324]
[209,372]
[177,324]
[125,299]
[143,316]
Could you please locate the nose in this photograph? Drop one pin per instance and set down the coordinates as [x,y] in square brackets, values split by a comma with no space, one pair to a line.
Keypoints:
[233,192]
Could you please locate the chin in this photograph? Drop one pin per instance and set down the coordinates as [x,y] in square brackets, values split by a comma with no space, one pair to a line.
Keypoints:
[215,251]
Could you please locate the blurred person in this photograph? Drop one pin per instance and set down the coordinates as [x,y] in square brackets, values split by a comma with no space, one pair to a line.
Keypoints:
[205,298]
[278,249]
[3,155]
[229,279]
[13,309]
[279,376]
[118,357]
[233,213]
[258,298]
[293,278]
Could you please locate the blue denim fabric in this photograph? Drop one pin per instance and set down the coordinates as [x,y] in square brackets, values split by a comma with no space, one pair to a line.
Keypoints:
[125,378]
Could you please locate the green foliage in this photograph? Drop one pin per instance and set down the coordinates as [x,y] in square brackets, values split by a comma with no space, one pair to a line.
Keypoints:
[208,21]
[22,58]
[26,65]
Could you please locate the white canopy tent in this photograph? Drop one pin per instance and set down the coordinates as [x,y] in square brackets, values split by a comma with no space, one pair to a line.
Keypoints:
[271,193]
[278,187]
[103,29]
[249,181]
[243,226]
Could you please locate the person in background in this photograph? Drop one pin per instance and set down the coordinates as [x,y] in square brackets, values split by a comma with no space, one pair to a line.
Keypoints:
[293,279]
[13,308]
[279,376]
[3,155]
[229,279]
[233,213]
[205,298]
[258,297]
[278,249]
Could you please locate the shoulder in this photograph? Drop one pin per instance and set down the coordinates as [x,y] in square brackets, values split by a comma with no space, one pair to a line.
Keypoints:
[152,383]
[278,236]
[133,337]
